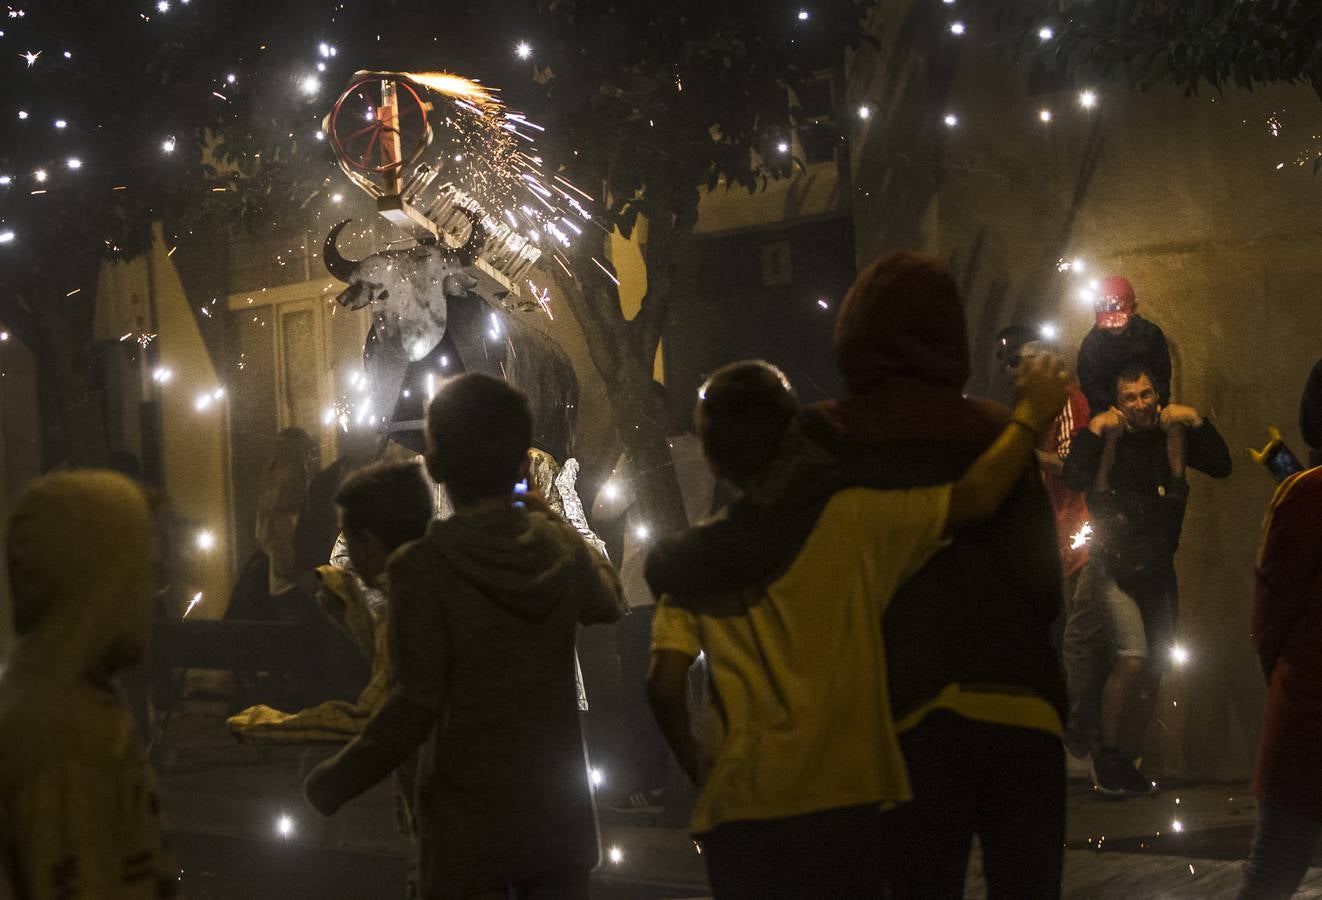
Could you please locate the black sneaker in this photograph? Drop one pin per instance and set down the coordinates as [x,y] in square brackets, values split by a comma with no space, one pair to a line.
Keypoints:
[1116,776]
[651,802]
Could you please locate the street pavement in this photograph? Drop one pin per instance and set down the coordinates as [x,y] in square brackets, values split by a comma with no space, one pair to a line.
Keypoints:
[241,829]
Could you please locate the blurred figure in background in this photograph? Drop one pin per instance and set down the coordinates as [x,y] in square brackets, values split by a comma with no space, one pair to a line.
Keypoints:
[79,815]
[1081,632]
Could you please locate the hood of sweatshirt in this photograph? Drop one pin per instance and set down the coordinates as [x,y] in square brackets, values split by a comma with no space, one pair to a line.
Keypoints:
[80,572]
[514,558]
[901,343]
[902,318]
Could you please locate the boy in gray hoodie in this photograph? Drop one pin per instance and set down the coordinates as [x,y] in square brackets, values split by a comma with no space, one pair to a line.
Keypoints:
[484,611]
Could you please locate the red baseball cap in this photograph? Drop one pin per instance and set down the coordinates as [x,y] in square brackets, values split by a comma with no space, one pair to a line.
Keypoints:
[1115,302]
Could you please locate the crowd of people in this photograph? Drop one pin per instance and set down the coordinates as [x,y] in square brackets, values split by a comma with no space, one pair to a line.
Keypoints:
[882,611]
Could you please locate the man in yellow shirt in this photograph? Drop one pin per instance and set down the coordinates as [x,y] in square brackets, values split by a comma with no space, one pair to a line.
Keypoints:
[799,751]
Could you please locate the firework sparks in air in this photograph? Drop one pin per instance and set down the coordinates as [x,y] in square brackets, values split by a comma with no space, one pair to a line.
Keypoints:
[484,155]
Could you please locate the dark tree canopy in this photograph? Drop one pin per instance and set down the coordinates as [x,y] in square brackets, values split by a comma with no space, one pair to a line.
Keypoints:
[1190,43]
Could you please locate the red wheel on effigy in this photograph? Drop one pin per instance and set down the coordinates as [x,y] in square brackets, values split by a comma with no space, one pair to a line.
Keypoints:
[363,140]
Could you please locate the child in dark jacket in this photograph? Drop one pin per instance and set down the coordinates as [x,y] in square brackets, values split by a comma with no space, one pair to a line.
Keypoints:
[484,611]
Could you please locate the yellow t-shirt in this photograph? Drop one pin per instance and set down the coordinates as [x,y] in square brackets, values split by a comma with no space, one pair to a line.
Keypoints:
[800,718]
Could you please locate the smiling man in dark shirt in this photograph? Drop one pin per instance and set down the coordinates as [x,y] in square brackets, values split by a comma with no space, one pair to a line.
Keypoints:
[1137,506]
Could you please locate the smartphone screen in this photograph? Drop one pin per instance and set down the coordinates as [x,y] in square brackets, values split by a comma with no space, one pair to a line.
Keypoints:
[1283,463]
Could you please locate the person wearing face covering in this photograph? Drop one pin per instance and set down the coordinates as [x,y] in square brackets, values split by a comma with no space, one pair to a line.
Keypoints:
[79,816]
[1286,632]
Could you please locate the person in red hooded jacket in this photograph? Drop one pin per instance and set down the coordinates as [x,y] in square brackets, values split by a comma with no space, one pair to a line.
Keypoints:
[1287,631]
[976,687]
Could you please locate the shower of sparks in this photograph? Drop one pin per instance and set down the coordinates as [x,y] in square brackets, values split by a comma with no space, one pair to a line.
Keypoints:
[1274,124]
[455,86]
[483,156]
[30,57]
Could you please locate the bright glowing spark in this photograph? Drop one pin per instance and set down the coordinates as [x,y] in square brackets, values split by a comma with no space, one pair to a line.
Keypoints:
[452,86]
[864,112]
[324,49]
[6,237]
[167,145]
[321,135]
[1078,265]
[74,162]
[610,490]
[597,777]
[310,85]
[608,272]
[162,375]
[205,540]
[803,15]
[523,50]
[30,57]
[958,28]
[163,6]
[1088,99]
[616,855]
[783,147]
[202,402]
[1177,826]
[642,532]
[951,120]
[22,114]
[6,181]
[197,598]
[284,826]
[68,55]
[1081,537]
[1044,115]
[61,124]
[40,175]
[1179,654]
[231,78]
[1045,33]
[823,303]
[1048,331]
[336,198]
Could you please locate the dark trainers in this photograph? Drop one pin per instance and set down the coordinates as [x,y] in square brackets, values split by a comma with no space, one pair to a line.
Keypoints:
[642,802]
[1116,776]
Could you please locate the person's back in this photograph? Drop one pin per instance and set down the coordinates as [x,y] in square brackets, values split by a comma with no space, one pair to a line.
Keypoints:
[78,806]
[483,612]
[802,750]
[502,776]
[975,682]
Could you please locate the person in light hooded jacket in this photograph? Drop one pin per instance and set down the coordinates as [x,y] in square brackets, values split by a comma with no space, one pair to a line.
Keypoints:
[483,616]
[78,801]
